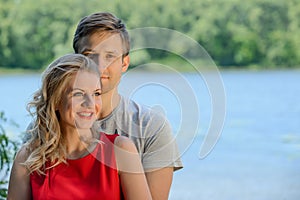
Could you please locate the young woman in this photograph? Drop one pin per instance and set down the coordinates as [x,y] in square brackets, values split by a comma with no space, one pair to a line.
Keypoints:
[66,158]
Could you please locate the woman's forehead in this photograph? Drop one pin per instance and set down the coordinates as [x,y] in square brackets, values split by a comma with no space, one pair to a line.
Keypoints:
[86,78]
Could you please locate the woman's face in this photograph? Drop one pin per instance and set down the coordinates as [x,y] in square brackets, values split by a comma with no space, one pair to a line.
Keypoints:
[81,104]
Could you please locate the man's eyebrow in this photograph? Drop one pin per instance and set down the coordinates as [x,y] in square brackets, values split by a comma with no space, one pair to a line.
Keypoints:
[111,51]
[87,50]
[114,52]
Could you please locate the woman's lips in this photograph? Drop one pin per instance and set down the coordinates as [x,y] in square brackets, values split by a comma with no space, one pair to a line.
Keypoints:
[86,115]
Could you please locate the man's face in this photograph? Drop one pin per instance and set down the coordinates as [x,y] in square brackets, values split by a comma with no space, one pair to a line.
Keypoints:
[107,52]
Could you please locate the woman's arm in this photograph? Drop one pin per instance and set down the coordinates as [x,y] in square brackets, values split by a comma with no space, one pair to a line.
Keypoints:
[132,176]
[19,183]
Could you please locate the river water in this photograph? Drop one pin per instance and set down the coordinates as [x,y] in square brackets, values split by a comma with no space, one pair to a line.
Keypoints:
[257,155]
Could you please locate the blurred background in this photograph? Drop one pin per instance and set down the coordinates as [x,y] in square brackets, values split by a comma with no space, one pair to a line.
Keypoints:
[236,33]
[255,49]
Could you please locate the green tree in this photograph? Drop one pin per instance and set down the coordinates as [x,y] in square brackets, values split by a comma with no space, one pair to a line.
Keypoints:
[8,149]
[43,29]
[7,36]
[234,32]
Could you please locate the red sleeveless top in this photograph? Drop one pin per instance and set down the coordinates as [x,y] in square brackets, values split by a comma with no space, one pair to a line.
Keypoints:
[94,176]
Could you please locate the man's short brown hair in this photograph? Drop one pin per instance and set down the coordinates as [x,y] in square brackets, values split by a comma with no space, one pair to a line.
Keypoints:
[101,22]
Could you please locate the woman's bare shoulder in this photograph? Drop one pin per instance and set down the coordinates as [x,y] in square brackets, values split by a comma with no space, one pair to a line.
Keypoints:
[22,154]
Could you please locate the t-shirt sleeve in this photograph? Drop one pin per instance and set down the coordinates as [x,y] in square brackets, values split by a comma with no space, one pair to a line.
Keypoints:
[160,148]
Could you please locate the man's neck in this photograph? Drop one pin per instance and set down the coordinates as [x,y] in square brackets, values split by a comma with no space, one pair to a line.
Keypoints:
[110,101]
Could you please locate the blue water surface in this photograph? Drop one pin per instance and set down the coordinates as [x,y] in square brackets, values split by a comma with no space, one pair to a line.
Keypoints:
[258,153]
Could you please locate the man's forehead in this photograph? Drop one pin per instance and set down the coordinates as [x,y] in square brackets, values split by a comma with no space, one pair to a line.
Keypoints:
[107,42]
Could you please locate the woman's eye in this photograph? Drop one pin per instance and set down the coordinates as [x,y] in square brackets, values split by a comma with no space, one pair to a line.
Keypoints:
[77,94]
[96,94]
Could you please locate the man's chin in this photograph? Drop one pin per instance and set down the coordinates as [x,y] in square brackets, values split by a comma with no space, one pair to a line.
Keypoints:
[106,90]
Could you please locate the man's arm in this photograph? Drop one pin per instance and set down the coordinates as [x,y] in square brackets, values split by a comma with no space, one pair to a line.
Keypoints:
[161,157]
[132,176]
[159,182]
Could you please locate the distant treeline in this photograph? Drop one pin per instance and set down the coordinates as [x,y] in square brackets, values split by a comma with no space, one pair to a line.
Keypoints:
[234,32]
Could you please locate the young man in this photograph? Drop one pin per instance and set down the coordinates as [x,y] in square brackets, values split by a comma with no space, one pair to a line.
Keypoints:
[104,38]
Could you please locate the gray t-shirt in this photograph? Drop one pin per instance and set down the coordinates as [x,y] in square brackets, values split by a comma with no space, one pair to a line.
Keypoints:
[149,130]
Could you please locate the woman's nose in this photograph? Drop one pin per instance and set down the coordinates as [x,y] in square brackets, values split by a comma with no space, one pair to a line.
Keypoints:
[88,101]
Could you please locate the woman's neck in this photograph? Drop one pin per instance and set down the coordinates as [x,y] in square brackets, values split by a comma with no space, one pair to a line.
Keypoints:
[77,142]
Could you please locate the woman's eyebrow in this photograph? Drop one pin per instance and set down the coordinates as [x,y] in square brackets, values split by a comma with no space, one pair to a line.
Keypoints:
[77,89]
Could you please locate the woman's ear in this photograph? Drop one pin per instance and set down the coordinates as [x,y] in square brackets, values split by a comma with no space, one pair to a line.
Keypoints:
[125,64]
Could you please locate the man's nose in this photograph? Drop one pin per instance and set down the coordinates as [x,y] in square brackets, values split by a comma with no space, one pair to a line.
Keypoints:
[101,68]
[99,61]
[101,64]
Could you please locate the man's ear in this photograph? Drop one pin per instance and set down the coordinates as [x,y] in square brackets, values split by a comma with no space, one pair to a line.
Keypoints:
[125,64]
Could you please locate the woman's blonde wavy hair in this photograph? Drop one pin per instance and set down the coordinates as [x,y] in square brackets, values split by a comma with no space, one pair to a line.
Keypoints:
[47,144]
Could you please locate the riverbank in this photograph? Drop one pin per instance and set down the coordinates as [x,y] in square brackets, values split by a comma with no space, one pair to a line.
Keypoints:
[16,71]
[167,65]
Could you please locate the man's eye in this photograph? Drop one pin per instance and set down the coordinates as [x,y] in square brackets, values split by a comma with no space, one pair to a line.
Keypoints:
[110,56]
[92,56]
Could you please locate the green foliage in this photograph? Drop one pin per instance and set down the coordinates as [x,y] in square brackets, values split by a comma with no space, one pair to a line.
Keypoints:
[8,149]
[234,32]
